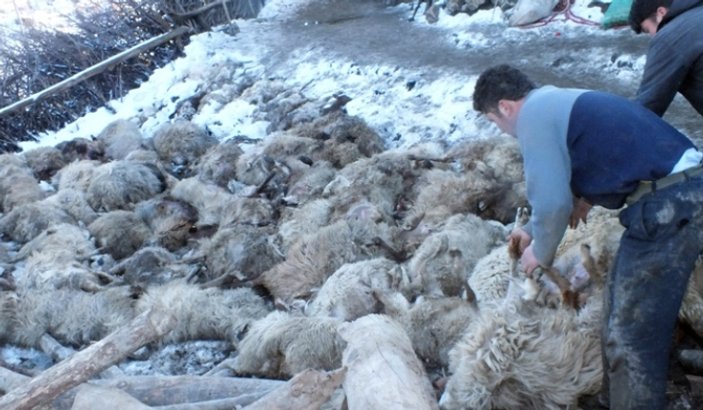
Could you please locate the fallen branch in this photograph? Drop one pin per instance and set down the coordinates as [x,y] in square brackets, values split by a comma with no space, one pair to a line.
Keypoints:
[309,389]
[145,328]
[92,71]
[59,352]
[169,392]
[383,367]
[9,379]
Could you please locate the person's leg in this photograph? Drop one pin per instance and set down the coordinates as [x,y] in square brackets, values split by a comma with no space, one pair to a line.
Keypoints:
[656,256]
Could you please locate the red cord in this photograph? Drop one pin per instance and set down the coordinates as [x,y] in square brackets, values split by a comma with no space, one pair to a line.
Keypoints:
[563,7]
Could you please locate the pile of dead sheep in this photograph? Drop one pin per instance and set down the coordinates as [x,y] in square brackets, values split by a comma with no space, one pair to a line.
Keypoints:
[316,248]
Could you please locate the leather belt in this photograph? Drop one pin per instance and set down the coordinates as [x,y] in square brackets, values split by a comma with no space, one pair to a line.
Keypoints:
[646,187]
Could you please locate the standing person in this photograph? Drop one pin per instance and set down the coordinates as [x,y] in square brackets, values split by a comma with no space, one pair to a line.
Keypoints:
[606,149]
[675,55]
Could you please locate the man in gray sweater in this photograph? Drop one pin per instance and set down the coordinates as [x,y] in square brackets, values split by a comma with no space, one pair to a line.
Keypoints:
[610,152]
[675,55]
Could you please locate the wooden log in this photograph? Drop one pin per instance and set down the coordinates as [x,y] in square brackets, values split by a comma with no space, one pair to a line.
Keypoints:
[90,397]
[9,379]
[93,70]
[59,352]
[167,391]
[383,370]
[41,390]
[309,389]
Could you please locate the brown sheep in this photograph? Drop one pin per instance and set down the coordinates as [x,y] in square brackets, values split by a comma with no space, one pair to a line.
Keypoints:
[79,149]
[18,186]
[239,253]
[170,221]
[180,144]
[121,184]
[281,345]
[44,161]
[120,233]
[149,265]
[218,164]
[345,138]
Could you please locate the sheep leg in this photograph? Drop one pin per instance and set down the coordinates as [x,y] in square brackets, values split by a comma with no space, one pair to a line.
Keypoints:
[568,296]
[692,360]
[147,327]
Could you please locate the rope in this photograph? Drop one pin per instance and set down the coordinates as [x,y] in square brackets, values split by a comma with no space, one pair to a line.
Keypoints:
[562,8]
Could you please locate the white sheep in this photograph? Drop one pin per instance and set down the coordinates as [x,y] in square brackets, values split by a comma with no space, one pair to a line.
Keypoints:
[204,314]
[518,354]
[27,221]
[119,138]
[444,260]
[76,175]
[281,345]
[121,184]
[350,292]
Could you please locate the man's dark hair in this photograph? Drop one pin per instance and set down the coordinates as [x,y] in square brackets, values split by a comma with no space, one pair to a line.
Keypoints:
[641,10]
[497,83]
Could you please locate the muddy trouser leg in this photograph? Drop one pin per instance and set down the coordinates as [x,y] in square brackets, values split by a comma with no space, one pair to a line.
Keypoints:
[658,250]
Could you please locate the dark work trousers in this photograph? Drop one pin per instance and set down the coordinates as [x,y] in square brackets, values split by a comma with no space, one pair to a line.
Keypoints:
[658,251]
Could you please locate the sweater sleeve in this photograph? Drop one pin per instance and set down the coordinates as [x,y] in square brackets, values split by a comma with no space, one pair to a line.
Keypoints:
[548,176]
[664,72]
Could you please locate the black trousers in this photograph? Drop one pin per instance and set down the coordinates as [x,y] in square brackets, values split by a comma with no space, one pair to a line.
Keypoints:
[657,253]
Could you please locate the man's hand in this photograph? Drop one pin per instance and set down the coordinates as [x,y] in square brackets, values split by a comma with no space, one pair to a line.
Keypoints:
[518,241]
[579,212]
[528,261]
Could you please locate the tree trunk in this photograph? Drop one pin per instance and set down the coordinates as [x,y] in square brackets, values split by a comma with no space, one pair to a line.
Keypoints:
[148,326]
[309,389]
[382,367]
[178,391]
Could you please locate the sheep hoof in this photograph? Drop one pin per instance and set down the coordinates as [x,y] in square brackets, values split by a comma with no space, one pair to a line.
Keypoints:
[570,298]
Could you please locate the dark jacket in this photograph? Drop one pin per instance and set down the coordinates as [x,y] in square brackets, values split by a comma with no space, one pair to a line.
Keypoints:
[675,59]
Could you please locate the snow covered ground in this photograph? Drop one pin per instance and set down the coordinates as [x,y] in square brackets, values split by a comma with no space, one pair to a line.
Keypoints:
[405,104]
